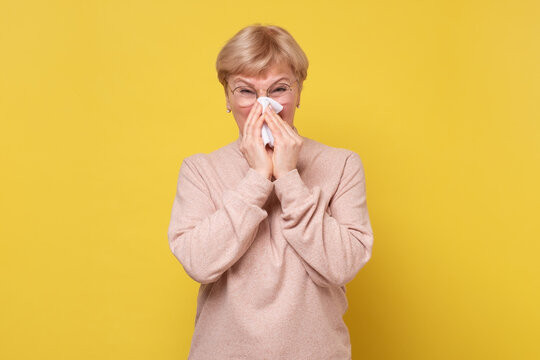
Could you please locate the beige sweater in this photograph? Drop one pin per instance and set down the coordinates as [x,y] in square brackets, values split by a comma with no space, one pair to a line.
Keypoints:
[272,258]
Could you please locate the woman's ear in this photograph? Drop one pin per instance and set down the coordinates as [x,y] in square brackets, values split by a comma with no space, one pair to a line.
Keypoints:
[227,103]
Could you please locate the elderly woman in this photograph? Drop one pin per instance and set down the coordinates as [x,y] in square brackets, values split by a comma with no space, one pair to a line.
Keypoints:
[272,233]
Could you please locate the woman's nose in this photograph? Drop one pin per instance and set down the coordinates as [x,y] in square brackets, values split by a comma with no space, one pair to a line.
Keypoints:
[261,93]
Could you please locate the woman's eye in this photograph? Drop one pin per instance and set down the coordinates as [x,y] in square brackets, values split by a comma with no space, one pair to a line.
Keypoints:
[246,91]
[279,89]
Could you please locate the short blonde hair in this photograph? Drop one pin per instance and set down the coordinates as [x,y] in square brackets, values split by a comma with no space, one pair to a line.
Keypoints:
[257,47]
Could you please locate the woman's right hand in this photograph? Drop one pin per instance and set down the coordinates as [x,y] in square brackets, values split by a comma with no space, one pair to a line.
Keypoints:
[257,155]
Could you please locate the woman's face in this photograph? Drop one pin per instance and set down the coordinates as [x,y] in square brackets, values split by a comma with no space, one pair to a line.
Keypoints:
[277,73]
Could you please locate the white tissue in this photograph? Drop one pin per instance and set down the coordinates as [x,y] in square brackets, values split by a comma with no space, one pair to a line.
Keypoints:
[266,134]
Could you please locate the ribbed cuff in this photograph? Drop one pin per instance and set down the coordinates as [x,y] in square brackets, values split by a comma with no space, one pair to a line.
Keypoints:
[255,188]
[290,188]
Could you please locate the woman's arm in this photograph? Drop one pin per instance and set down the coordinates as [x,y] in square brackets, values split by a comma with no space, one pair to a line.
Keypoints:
[207,241]
[333,248]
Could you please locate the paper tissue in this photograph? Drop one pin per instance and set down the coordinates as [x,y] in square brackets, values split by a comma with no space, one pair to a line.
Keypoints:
[266,134]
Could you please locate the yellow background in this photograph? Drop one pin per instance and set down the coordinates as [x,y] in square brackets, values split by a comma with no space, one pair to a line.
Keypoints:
[101,100]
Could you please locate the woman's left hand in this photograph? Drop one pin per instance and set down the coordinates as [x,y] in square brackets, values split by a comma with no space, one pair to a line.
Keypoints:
[287,143]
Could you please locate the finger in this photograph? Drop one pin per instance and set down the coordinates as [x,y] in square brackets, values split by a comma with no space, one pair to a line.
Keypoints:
[274,128]
[252,116]
[284,128]
[292,131]
[257,129]
[287,127]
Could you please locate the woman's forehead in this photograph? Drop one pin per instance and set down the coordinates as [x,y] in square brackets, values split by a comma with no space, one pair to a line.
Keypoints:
[272,75]
[257,80]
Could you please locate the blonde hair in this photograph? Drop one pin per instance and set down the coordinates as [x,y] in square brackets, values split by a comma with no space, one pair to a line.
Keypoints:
[255,48]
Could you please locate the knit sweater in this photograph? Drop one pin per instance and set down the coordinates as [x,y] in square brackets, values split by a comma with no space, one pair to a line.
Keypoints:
[272,257]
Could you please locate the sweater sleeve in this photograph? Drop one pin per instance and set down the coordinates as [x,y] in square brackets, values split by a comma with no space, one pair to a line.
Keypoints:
[332,248]
[207,241]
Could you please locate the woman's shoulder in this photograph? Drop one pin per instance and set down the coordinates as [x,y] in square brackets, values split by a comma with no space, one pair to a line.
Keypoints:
[195,159]
[317,158]
[319,149]
[226,154]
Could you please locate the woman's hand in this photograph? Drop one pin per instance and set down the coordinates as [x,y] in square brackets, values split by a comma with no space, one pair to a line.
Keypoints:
[252,146]
[287,143]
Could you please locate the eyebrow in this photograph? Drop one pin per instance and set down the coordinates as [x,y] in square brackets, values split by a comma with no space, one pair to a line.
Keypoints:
[250,84]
